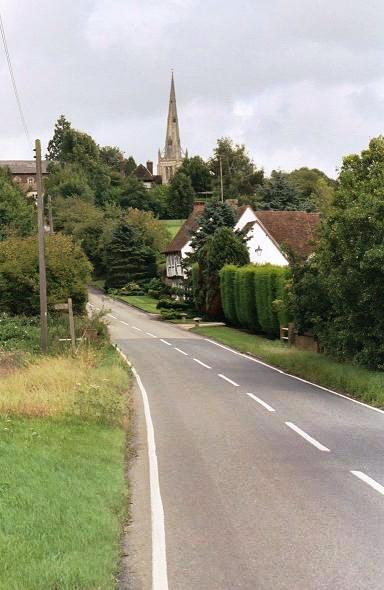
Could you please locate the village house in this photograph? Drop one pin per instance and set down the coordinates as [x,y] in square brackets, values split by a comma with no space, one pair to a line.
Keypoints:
[271,237]
[24,173]
[146,176]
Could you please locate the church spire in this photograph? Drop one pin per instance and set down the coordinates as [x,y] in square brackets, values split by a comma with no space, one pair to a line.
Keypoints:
[172,149]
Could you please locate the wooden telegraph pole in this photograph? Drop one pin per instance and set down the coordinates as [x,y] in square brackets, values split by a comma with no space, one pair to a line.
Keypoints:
[41,240]
[50,216]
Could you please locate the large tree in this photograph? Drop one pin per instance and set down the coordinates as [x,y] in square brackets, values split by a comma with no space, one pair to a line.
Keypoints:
[128,258]
[279,194]
[349,264]
[199,174]
[181,196]
[240,176]
[55,145]
[214,216]
[17,215]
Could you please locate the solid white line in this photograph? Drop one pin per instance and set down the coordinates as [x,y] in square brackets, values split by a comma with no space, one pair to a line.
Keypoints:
[182,351]
[152,335]
[202,364]
[371,482]
[311,440]
[260,401]
[229,380]
[159,552]
[165,342]
[251,358]
[138,329]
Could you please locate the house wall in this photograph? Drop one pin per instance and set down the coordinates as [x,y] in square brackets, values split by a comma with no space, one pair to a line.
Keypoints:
[270,253]
[245,218]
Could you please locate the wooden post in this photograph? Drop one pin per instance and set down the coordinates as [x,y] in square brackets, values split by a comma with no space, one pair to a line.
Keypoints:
[50,216]
[41,241]
[71,325]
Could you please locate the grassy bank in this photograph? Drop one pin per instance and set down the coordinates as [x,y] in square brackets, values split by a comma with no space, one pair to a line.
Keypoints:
[63,493]
[357,382]
[143,302]
[173,226]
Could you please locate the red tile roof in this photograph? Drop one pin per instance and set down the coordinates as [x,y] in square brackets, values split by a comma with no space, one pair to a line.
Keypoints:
[294,230]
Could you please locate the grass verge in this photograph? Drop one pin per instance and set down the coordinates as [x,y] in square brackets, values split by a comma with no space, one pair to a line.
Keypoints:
[357,382]
[63,492]
[173,226]
[143,302]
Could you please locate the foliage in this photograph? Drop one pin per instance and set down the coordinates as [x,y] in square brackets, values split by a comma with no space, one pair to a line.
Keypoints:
[128,257]
[199,174]
[153,232]
[17,215]
[181,196]
[158,201]
[112,156]
[215,216]
[133,194]
[240,176]
[349,264]
[279,194]
[172,304]
[129,166]
[55,145]
[315,187]
[68,272]
[254,297]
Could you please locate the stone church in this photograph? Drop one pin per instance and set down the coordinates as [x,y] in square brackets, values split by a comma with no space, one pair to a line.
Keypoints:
[172,156]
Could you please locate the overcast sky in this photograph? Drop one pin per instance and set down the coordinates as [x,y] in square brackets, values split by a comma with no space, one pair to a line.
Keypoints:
[300,82]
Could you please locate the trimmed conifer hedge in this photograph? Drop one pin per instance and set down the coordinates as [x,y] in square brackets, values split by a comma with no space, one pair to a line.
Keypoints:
[253,297]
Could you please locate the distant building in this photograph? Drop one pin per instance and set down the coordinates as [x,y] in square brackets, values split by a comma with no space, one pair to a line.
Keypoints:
[172,156]
[24,173]
[146,176]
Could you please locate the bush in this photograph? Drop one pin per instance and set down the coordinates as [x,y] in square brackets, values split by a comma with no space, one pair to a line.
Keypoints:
[131,289]
[170,314]
[254,297]
[68,272]
[228,293]
[171,304]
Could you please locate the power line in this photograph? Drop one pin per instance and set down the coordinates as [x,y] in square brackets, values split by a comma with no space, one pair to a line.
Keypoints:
[16,92]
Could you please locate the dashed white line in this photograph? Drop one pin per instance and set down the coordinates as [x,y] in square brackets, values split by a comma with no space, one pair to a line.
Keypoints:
[137,329]
[202,364]
[112,316]
[125,323]
[165,342]
[261,402]
[181,351]
[229,380]
[151,335]
[368,480]
[307,437]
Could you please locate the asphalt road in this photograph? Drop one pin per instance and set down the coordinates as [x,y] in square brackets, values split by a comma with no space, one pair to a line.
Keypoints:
[278,490]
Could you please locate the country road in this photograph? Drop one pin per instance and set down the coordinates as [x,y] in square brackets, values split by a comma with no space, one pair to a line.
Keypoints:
[266,482]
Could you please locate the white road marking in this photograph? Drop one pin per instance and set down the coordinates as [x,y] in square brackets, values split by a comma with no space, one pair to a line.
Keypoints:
[112,316]
[202,364]
[125,323]
[371,482]
[137,329]
[159,550]
[165,342]
[182,351]
[260,401]
[311,440]
[152,335]
[251,358]
[229,380]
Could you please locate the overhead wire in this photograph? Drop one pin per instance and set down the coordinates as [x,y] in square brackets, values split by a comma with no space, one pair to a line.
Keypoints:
[14,85]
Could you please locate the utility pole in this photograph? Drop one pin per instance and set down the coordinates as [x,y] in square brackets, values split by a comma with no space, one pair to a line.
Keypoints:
[221,180]
[50,216]
[41,240]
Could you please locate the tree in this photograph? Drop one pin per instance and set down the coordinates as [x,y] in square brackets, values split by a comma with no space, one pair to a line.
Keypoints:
[69,181]
[349,264]
[55,145]
[278,194]
[153,232]
[17,215]
[215,216]
[240,176]
[316,189]
[68,272]
[130,166]
[128,258]
[198,172]
[112,156]
[158,200]
[181,196]
[133,194]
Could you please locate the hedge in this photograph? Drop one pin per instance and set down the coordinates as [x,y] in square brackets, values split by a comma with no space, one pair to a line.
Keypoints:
[253,297]
[228,293]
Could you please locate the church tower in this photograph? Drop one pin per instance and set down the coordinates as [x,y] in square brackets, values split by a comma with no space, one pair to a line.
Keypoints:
[172,156]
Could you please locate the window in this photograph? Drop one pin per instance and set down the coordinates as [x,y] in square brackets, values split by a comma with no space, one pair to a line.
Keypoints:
[30,180]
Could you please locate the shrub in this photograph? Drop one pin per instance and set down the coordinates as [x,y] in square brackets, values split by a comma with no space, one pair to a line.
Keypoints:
[228,293]
[170,314]
[171,304]
[246,298]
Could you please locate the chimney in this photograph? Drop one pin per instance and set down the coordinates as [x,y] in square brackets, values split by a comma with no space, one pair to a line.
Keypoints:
[150,167]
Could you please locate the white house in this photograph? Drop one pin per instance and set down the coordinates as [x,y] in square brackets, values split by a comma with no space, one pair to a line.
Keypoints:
[271,236]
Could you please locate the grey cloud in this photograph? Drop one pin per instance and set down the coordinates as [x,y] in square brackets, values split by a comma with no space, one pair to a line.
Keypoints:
[300,82]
